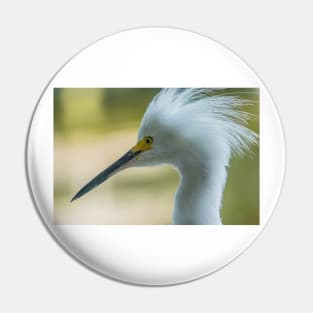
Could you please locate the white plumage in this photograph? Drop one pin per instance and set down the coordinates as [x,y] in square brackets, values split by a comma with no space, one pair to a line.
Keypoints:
[197,132]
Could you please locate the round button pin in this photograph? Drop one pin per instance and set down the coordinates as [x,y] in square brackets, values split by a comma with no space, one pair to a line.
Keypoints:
[155,156]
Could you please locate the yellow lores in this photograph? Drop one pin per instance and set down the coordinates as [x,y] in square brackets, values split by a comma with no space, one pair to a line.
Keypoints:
[144,144]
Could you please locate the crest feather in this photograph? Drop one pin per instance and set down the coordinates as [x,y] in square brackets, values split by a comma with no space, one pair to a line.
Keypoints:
[215,111]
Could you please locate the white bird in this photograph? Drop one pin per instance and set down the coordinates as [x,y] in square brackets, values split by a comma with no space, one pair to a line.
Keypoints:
[197,131]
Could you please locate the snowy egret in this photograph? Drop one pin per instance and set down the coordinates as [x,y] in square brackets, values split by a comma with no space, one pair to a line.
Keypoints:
[197,131]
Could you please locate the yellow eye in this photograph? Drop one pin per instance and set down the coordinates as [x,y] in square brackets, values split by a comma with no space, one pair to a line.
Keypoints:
[148,140]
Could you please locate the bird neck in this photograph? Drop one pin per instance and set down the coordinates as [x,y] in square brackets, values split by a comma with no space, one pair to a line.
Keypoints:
[199,195]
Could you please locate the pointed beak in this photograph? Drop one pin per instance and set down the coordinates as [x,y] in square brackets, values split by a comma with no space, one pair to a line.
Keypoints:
[122,163]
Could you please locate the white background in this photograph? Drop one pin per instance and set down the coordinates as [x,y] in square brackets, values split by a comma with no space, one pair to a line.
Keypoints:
[274,38]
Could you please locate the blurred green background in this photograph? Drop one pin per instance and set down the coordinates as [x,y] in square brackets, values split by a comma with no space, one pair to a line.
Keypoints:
[95,126]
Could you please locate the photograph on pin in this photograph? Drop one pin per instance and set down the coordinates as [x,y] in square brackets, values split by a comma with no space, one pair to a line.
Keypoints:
[156,156]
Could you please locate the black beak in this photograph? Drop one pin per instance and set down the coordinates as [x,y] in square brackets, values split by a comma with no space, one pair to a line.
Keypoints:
[114,168]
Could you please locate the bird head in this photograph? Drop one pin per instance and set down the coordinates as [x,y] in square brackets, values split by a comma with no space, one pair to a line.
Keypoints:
[184,126]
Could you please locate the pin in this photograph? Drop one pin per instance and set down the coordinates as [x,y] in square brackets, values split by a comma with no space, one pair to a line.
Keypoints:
[155,156]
